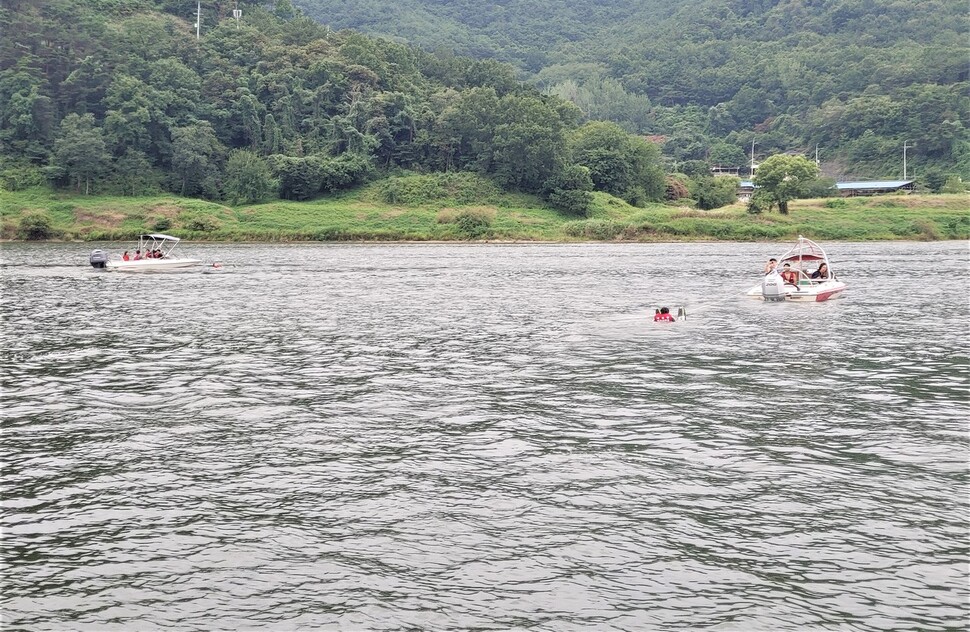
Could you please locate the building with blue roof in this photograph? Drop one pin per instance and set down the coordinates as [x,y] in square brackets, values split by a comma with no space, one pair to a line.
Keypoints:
[848,189]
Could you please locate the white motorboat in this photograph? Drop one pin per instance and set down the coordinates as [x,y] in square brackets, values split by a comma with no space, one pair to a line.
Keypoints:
[164,261]
[790,281]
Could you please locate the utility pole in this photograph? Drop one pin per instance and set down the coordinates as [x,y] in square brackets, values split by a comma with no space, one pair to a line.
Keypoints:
[752,159]
[198,19]
[905,147]
[816,155]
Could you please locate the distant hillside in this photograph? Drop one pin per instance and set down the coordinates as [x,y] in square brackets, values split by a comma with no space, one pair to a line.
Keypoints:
[858,78]
[528,33]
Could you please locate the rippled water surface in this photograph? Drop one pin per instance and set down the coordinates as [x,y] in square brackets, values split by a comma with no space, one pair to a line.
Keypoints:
[484,437]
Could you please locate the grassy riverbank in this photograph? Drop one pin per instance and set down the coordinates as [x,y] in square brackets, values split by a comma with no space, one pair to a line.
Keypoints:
[363,215]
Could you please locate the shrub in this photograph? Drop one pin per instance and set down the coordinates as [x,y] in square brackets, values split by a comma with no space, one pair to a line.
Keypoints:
[675,189]
[299,177]
[470,188]
[820,188]
[475,222]
[572,201]
[413,190]
[447,216]
[248,177]
[569,190]
[594,229]
[712,193]
[836,203]
[887,203]
[162,224]
[35,225]
[933,179]
[760,202]
[926,230]
[342,172]
[199,222]
[954,184]
[17,176]
[957,227]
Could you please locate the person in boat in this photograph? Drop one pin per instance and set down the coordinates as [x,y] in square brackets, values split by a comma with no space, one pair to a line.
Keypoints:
[126,256]
[788,275]
[822,272]
[663,316]
[138,255]
[771,265]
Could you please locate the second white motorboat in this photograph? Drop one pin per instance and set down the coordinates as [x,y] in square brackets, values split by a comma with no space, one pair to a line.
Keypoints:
[165,261]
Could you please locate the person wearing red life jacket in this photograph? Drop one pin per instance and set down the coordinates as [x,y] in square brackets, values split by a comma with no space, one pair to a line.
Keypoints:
[125,257]
[788,275]
[663,316]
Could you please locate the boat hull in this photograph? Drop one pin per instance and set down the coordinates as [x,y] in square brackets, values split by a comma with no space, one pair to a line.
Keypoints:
[153,265]
[818,293]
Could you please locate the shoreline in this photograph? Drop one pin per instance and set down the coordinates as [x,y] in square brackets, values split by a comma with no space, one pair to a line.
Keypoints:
[42,215]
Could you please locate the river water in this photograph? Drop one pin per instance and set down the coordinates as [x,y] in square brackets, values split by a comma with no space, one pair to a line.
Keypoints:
[391,437]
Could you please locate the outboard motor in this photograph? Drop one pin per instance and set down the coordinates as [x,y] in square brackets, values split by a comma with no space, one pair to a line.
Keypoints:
[773,287]
[99,259]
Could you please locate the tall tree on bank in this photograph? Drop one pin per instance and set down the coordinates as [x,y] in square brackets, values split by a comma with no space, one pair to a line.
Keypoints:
[783,178]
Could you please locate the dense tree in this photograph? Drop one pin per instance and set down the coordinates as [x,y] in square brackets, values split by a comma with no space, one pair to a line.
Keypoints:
[80,155]
[569,190]
[624,165]
[248,178]
[463,132]
[529,146]
[710,193]
[342,172]
[272,137]
[134,173]
[299,177]
[131,108]
[726,155]
[27,120]
[782,178]
[196,159]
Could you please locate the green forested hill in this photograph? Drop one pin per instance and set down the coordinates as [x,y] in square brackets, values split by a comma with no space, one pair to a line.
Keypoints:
[120,96]
[858,78]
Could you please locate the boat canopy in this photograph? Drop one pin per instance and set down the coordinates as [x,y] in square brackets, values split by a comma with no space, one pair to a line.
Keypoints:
[804,250]
[160,237]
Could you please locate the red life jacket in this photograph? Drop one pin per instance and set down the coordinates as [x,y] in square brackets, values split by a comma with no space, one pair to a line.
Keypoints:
[667,318]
